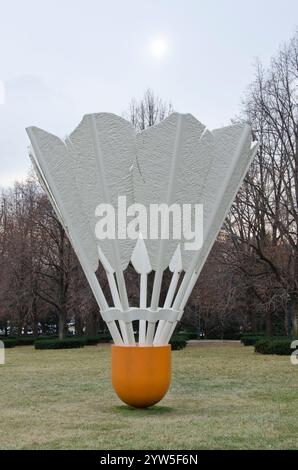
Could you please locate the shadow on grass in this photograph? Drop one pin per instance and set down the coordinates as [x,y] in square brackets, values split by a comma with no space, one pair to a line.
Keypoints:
[151,411]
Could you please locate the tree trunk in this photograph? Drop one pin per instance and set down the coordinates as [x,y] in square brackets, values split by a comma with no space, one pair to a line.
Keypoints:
[79,326]
[62,323]
[35,318]
[19,328]
[294,308]
[92,323]
[222,328]
[35,327]
[250,293]
[269,324]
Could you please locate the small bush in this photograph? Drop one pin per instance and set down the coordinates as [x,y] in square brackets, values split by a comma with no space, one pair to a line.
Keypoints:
[25,340]
[93,340]
[250,340]
[177,343]
[67,343]
[281,347]
[187,335]
[105,337]
[9,342]
[43,338]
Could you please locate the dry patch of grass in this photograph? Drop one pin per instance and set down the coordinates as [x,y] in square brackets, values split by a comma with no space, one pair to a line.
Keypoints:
[221,398]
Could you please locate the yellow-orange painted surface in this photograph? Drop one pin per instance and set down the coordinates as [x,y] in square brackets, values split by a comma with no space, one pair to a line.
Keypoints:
[141,375]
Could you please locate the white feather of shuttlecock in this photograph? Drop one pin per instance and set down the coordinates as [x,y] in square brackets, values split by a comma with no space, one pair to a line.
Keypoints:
[177,161]
[63,166]
[141,263]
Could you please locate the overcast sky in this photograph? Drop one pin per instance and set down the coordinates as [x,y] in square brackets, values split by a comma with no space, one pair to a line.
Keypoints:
[60,59]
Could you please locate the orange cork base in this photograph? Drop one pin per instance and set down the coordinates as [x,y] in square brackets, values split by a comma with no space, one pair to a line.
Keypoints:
[141,375]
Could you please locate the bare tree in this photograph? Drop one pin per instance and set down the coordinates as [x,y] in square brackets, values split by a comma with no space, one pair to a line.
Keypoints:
[264,219]
[148,111]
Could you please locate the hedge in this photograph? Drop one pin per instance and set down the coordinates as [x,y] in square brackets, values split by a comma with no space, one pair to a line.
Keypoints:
[187,335]
[93,340]
[43,338]
[250,340]
[31,340]
[281,347]
[9,342]
[12,341]
[177,343]
[68,343]
[25,340]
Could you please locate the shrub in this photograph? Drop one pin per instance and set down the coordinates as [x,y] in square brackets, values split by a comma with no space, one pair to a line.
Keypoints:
[187,335]
[281,347]
[101,338]
[9,342]
[177,343]
[46,337]
[250,340]
[91,340]
[105,337]
[25,340]
[67,343]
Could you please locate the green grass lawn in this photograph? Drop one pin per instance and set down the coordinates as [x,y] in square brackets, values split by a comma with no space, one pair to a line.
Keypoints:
[220,398]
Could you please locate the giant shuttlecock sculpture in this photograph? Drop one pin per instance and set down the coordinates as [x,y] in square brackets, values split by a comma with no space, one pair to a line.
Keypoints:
[175,163]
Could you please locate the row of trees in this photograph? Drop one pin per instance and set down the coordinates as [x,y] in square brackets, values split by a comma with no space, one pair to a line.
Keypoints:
[41,281]
[250,280]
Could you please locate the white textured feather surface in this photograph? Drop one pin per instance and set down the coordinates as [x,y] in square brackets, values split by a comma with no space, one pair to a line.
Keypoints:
[176,261]
[58,171]
[169,171]
[44,184]
[140,259]
[103,163]
[225,175]
[199,172]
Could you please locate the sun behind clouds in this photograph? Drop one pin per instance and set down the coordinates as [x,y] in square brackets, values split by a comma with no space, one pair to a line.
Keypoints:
[158,47]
